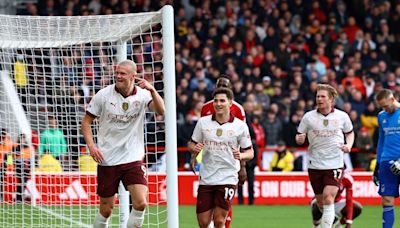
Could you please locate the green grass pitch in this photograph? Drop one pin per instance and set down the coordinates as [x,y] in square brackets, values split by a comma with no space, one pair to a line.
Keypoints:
[243,216]
[282,217]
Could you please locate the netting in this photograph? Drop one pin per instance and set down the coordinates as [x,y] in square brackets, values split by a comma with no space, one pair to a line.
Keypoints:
[50,69]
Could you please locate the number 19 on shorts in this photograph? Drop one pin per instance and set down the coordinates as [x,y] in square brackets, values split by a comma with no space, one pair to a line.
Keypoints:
[229,193]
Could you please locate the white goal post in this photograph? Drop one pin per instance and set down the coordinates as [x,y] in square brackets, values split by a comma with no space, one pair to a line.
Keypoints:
[50,67]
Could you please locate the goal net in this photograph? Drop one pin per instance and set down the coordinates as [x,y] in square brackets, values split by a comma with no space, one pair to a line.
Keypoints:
[50,67]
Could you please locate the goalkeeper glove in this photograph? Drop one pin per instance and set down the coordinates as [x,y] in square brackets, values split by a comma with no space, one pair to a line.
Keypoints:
[395,167]
[376,175]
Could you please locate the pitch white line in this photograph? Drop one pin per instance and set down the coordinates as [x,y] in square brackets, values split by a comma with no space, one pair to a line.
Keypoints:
[50,212]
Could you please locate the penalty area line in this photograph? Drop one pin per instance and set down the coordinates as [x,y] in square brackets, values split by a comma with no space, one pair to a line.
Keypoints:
[50,212]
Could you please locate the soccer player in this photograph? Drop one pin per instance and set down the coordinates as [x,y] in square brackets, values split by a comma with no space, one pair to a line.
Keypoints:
[120,109]
[387,169]
[346,209]
[237,111]
[326,129]
[219,136]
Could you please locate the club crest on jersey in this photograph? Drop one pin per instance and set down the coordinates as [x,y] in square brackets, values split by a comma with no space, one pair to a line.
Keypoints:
[219,132]
[125,106]
[325,122]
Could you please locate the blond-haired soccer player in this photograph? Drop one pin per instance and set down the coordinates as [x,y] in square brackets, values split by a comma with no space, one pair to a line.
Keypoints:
[330,134]
[219,136]
[120,109]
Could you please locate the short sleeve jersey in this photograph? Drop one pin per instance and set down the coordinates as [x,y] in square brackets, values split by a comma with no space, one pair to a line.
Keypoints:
[236,110]
[325,135]
[219,167]
[389,136]
[121,124]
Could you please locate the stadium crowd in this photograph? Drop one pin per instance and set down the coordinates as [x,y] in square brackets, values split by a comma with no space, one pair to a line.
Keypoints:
[276,52]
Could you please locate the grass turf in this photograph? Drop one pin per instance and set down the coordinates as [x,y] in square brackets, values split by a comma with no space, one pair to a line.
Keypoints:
[243,216]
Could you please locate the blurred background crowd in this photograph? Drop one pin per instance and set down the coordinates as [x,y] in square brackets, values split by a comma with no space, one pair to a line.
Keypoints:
[276,52]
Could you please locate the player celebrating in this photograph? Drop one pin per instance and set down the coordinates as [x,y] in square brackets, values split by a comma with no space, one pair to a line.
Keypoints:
[237,111]
[387,169]
[219,136]
[121,108]
[325,128]
[346,209]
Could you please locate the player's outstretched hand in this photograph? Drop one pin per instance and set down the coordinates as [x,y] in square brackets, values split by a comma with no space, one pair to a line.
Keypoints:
[96,154]
[395,167]
[375,175]
[142,83]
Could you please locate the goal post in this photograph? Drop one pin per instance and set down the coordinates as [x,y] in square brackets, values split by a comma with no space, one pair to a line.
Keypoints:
[54,65]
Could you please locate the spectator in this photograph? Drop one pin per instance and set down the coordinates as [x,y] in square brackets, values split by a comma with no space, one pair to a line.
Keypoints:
[21,79]
[258,130]
[290,129]
[273,126]
[48,164]
[6,146]
[53,140]
[365,144]
[22,154]
[282,159]
[369,118]
[86,162]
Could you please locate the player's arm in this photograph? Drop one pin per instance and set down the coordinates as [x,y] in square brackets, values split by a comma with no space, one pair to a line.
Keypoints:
[381,140]
[242,173]
[245,154]
[88,135]
[349,200]
[157,104]
[245,151]
[301,131]
[349,142]
[194,148]
[195,145]
[379,149]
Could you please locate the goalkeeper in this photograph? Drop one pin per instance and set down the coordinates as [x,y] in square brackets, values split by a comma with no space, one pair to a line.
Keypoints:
[387,169]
